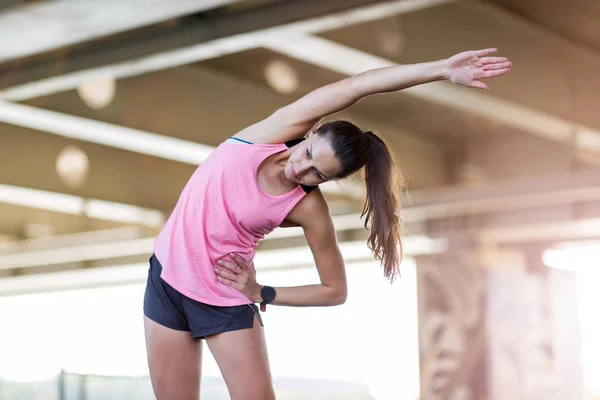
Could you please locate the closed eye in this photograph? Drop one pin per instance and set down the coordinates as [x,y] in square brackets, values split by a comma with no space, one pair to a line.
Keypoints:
[319,174]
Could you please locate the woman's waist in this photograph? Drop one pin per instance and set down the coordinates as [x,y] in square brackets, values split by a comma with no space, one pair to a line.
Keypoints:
[197,284]
[203,256]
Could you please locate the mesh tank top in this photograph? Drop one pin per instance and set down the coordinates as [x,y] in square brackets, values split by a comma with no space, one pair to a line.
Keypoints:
[221,210]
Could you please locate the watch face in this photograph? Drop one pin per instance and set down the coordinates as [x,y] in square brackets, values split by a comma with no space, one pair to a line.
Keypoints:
[268,294]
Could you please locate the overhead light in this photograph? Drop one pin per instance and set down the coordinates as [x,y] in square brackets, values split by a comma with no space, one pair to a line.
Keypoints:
[75,205]
[281,76]
[390,38]
[72,165]
[98,93]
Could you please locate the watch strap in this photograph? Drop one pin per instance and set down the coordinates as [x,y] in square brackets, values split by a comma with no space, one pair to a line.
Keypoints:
[268,295]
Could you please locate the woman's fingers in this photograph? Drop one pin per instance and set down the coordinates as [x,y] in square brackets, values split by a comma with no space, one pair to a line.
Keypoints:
[495,73]
[491,74]
[485,52]
[501,65]
[226,281]
[493,60]
[235,274]
[239,260]
[226,274]
[229,265]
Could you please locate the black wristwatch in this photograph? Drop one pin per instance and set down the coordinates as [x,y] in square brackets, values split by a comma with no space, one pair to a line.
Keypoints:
[268,294]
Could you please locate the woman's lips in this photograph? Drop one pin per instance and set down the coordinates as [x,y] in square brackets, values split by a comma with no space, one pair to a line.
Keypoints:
[293,172]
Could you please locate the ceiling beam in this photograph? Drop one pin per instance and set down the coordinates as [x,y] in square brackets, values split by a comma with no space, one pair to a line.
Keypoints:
[111,135]
[206,39]
[131,274]
[130,139]
[44,26]
[510,195]
[350,61]
[554,231]
[72,239]
[75,205]
[128,274]
[265,259]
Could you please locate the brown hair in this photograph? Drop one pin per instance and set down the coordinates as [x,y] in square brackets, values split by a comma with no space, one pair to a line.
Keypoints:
[355,149]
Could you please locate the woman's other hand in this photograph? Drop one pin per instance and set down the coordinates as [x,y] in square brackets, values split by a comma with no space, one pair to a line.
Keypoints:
[238,275]
[467,68]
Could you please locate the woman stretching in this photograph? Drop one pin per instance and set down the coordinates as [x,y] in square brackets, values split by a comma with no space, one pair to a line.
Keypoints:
[201,281]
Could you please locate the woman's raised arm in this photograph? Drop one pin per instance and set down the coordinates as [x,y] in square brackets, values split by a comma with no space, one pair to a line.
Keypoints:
[294,120]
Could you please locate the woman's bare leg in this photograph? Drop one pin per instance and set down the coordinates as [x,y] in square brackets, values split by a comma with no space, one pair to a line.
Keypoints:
[243,360]
[174,360]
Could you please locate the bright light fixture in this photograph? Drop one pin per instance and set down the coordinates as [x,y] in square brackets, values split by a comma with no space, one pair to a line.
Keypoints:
[72,165]
[98,93]
[281,76]
[390,38]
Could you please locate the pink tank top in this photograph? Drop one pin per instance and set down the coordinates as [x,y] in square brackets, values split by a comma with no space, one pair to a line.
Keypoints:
[221,210]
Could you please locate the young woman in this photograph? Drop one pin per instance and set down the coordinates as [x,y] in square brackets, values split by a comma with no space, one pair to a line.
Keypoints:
[201,282]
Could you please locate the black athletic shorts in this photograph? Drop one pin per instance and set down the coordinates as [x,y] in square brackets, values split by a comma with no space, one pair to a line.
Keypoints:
[166,306]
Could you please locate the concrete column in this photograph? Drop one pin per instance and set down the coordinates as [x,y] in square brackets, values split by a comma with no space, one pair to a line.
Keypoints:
[493,328]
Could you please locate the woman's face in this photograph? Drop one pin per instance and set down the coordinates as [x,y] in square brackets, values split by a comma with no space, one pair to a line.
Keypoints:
[312,162]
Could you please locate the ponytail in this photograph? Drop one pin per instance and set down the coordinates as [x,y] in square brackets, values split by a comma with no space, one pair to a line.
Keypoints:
[356,149]
[382,206]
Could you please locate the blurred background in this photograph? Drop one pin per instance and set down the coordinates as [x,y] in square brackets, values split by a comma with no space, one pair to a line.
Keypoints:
[106,109]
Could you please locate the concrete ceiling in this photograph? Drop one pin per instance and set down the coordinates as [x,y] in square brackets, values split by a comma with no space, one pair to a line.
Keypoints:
[47,26]
[483,165]
[575,20]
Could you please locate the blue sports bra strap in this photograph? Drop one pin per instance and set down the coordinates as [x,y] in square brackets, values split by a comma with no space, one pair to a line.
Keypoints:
[231,138]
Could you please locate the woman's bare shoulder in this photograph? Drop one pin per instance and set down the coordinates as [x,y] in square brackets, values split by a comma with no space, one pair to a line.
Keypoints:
[312,207]
[273,129]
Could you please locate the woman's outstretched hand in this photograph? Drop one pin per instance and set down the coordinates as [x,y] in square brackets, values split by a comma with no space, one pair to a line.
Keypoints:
[238,275]
[468,67]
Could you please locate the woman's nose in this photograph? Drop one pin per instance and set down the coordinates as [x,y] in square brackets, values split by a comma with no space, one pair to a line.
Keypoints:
[302,168]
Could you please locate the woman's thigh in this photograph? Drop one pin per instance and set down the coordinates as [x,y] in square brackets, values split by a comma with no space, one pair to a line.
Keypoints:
[174,360]
[243,360]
